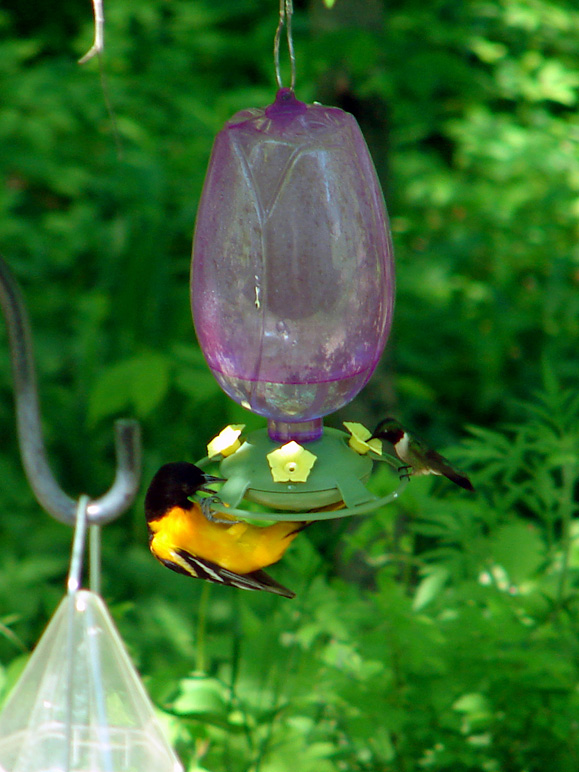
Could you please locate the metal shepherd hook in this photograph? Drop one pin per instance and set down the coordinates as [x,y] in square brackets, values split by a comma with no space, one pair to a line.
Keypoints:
[50,496]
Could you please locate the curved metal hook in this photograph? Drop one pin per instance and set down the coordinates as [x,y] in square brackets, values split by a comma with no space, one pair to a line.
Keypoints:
[50,496]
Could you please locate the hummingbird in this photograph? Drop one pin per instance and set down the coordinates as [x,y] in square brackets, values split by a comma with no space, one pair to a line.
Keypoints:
[416,456]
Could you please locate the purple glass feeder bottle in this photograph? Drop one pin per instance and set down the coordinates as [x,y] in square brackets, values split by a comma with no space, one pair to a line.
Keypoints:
[293,277]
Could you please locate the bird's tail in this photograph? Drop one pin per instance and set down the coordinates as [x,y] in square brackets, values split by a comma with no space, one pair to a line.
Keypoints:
[456,477]
[460,479]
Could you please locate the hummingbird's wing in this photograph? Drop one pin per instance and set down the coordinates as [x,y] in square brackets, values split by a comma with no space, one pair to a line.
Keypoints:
[440,465]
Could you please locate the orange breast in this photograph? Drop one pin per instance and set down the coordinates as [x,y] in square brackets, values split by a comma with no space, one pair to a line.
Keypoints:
[241,547]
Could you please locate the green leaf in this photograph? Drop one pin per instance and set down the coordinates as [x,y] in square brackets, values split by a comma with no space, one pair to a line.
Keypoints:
[474,702]
[519,548]
[201,695]
[430,587]
[476,710]
[138,384]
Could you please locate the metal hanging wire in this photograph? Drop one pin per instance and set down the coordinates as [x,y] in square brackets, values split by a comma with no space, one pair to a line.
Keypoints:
[74,581]
[94,652]
[286,10]
[50,496]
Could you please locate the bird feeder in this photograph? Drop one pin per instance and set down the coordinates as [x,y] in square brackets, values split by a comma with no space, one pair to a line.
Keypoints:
[293,291]
[293,280]
[79,704]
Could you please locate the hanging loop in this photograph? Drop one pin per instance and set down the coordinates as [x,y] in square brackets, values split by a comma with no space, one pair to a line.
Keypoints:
[286,10]
[50,496]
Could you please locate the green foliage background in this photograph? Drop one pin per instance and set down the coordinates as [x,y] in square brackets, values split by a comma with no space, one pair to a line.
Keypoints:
[440,633]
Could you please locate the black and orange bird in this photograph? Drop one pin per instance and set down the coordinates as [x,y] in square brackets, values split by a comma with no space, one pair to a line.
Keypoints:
[221,550]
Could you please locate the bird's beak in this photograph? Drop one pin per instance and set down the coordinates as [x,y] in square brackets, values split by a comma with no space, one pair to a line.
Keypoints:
[209,479]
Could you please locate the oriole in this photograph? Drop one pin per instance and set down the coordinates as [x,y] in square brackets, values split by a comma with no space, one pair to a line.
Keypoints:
[185,540]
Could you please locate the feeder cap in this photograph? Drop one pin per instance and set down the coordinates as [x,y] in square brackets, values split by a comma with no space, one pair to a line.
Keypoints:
[286,104]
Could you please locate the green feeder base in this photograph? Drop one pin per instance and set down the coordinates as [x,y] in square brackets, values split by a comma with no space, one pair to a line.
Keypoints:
[337,478]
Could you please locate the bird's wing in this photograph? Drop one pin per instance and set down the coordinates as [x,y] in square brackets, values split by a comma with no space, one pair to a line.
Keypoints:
[444,468]
[265,582]
[185,563]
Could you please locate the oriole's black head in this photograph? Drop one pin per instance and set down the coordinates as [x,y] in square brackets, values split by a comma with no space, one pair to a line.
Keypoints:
[390,430]
[172,486]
